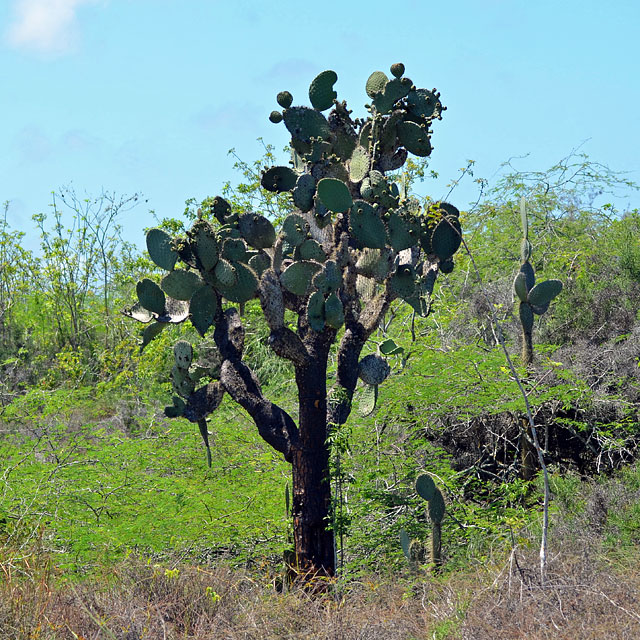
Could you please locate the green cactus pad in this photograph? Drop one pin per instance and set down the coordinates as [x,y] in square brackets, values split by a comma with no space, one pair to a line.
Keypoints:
[322,216]
[304,124]
[279,179]
[525,250]
[376,83]
[181,284]
[297,276]
[203,307]
[403,282]
[227,231]
[389,134]
[420,305]
[405,541]
[436,507]
[310,250]
[150,333]
[183,385]
[446,237]
[365,135]
[295,229]
[394,90]
[423,103]
[329,279]
[315,311]
[414,137]
[159,246]
[333,311]
[359,164]
[366,226]
[373,369]
[335,195]
[260,263]
[544,292]
[523,219]
[225,275]
[139,313]
[235,250]
[343,144]
[206,245]
[304,191]
[389,348]
[426,487]
[367,399]
[520,286]
[246,286]
[321,93]
[399,233]
[183,354]
[301,150]
[222,211]
[176,409]
[447,265]
[540,309]
[151,296]
[284,99]
[397,70]
[257,230]
[526,317]
[275,117]
[529,274]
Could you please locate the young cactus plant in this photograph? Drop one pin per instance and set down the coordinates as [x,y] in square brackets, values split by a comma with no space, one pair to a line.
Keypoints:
[412,549]
[426,488]
[534,298]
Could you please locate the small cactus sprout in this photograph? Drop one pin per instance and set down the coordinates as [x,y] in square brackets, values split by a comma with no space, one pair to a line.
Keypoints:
[350,245]
[426,488]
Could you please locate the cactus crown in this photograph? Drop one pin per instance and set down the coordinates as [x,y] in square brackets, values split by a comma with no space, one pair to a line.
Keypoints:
[351,234]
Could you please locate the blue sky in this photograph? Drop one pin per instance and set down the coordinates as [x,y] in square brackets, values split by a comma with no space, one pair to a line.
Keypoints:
[149,95]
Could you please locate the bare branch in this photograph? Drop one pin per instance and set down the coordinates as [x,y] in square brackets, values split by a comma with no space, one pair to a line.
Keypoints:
[274,424]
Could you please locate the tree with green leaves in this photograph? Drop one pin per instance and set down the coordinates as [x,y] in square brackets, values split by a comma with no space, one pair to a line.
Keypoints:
[353,245]
[79,259]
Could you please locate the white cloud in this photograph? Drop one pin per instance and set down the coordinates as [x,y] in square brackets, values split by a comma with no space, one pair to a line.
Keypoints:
[46,26]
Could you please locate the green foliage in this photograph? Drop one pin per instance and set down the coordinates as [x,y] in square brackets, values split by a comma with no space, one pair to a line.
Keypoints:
[97,492]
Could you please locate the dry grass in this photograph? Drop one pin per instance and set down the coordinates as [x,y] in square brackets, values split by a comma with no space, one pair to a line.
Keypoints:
[584,597]
[142,601]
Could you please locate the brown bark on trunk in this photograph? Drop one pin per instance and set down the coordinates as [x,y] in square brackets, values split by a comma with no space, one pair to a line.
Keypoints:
[311,504]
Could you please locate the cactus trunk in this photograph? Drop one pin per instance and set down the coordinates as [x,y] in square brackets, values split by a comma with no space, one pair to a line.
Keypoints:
[436,545]
[314,541]
[527,347]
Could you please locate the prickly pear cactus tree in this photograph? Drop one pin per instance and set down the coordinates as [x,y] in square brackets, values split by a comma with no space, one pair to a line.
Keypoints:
[352,246]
